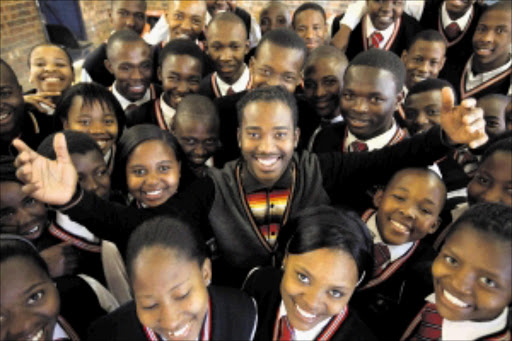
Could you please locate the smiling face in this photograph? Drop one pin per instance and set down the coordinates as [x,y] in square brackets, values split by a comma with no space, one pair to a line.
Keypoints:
[96,120]
[276,65]
[227,47]
[409,207]
[50,69]
[383,13]
[93,174]
[180,76]
[128,14]
[276,15]
[494,115]
[198,139]
[424,60]
[493,180]
[368,101]
[469,285]
[130,63]
[267,139]
[317,285]
[170,292]
[310,25]
[20,214]
[152,173]
[30,302]
[186,19]
[423,110]
[491,41]
[323,82]
[11,105]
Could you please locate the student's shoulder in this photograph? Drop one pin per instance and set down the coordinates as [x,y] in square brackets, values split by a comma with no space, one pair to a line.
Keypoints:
[262,277]
[99,54]
[353,328]
[121,324]
[205,87]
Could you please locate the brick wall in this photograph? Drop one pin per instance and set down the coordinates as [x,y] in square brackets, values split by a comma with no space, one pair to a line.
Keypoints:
[95,14]
[21,28]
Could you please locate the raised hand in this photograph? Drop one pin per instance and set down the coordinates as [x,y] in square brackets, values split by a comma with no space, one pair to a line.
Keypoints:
[52,182]
[42,100]
[464,123]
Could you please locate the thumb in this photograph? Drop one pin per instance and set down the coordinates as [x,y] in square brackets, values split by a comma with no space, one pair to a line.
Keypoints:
[447,100]
[61,148]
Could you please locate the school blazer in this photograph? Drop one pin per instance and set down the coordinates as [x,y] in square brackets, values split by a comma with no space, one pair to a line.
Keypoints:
[409,27]
[233,318]
[263,284]
[387,307]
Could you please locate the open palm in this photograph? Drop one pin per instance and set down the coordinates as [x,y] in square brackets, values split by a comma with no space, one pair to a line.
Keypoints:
[52,182]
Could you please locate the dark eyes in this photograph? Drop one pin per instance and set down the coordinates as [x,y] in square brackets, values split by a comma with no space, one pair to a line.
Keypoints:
[35,297]
[450,260]
[302,278]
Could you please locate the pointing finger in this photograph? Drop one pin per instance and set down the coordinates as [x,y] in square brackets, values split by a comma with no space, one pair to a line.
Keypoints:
[447,99]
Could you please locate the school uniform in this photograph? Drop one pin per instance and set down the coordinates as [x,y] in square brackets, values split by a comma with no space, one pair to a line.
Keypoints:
[212,86]
[323,124]
[459,45]
[94,69]
[396,38]
[263,284]
[127,105]
[225,205]
[396,289]
[467,83]
[226,107]
[156,111]
[231,316]
[34,128]
[429,324]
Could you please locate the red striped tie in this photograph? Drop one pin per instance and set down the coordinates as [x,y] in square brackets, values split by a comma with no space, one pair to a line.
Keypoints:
[230,91]
[358,146]
[376,37]
[381,256]
[452,31]
[430,328]
[285,330]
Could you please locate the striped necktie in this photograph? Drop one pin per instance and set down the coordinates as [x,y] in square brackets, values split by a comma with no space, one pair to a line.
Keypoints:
[376,38]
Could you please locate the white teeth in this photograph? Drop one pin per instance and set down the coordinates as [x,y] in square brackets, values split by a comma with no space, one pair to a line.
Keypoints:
[52,79]
[455,300]
[267,162]
[305,313]
[38,336]
[400,227]
[34,229]
[102,143]
[157,192]
[180,332]
[4,116]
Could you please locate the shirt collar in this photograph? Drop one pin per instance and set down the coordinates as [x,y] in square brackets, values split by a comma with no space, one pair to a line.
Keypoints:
[462,21]
[470,330]
[386,34]
[376,142]
[396,251]
[489,74]
[59,333]
[239,86]
[301,334]
[125,102]
[74,228]
[167,111]
[252,185]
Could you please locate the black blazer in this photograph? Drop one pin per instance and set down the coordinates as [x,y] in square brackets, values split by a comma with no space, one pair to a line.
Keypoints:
[263,284]
[233,317]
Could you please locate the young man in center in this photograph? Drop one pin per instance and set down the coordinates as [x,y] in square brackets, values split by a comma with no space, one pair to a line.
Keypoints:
[227,46]
[248,202]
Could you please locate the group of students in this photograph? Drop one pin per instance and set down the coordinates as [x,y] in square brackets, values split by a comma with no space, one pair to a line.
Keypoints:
[210,186]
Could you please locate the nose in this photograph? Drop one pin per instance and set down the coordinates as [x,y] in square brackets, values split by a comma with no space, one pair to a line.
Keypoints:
[226,55]
[266,145]
[312,299]
[422,119]
[361,105]
[200,150]
[136,73]
[274,80]
[169,318]
[310,33]
[96,128]
[424,67]
[23,216]
[407,210]
[186,25]
[386,6]
[89,184]
[320,90]
[463,281]
[183,87]
[130,21]
[151,178]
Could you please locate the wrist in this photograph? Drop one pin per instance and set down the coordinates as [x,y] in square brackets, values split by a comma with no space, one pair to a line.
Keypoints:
[75,199]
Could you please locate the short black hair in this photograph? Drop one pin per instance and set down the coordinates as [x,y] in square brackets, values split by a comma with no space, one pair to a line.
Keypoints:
[228,17]
[503,6]
[7,169]
[131,139]
[9,69]
[169,233]
[499,145]
[199,107]
[114,2]
[77,142]
[90,93]
[308,6]
[285,38]
[327,227]
[384,60]
[123,36]
[324,52]
[491,218]
[181,47]
[63,48]
[268,94]
[428,35]
[16,246]
[430,84]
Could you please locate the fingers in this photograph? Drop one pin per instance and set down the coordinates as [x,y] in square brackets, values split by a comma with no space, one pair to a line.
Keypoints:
[447,99]
[61,148]
[468,103]
[49,94]
[21,146]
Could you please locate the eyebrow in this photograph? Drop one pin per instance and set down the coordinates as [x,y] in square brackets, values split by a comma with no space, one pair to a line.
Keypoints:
[29,289]
[171,289]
